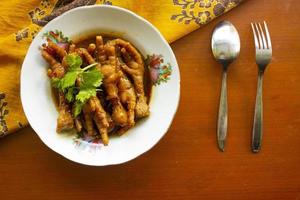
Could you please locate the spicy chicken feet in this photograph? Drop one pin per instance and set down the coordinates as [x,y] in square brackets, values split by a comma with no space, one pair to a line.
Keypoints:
[100,117]
[135,69]
[127,95]
[108,61]
[123,99]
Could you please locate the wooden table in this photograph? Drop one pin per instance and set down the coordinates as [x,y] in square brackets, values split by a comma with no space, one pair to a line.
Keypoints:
[186,163]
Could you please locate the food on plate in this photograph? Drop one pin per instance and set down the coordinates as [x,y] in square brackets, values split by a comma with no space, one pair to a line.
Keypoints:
[101,84]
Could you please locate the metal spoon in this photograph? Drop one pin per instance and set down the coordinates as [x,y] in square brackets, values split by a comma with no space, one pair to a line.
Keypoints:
[225,44]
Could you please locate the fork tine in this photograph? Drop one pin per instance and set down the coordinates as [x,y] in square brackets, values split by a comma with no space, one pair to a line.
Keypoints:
[255,37]
[259,37]
[263,37]
[268,36]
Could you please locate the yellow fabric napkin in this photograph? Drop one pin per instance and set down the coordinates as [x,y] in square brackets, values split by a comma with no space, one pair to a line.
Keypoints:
[21,20]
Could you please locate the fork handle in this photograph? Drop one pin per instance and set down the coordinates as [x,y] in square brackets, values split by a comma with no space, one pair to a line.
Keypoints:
[222,117]
[258,116]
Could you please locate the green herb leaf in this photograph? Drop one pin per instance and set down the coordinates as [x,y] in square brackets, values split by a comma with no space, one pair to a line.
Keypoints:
[85,93]
[74,61]
[56,83]
[70,94]
[77,108]
[91,78]
[69,80]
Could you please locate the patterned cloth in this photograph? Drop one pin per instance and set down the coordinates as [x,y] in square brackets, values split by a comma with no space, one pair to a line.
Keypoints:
[21,20]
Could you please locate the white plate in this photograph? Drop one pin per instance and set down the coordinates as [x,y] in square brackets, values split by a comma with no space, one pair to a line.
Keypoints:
[39,106]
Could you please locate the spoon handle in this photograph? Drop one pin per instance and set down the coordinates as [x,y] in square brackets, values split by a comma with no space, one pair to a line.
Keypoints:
[222,117]
[258,116]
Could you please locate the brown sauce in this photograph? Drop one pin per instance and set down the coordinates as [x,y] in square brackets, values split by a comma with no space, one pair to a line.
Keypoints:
[54,94]
[84,42]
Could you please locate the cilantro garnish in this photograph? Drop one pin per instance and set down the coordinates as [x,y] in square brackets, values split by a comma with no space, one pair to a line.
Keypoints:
[90,80]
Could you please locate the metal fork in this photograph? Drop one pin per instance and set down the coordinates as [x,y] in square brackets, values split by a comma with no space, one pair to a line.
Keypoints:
[263,50]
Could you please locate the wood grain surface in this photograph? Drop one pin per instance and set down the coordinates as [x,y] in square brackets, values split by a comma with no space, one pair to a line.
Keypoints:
[186,163]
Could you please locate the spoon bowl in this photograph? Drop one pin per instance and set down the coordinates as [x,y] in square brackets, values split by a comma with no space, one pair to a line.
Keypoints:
[225,42]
